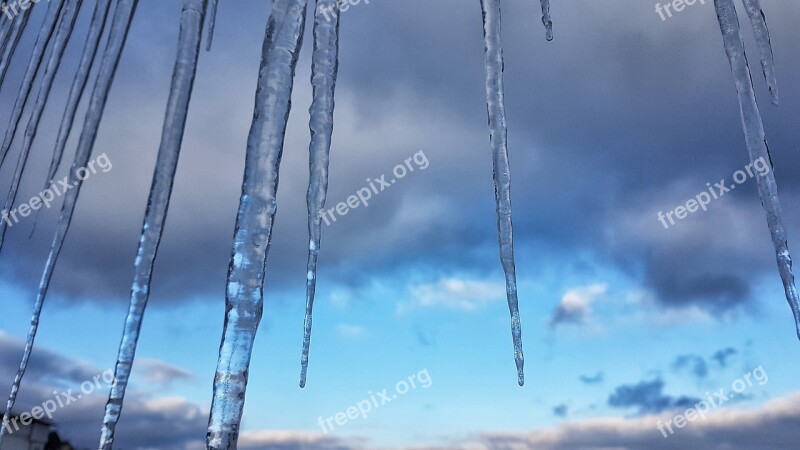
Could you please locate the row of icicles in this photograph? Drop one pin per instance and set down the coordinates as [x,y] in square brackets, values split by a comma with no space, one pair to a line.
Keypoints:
[282,44]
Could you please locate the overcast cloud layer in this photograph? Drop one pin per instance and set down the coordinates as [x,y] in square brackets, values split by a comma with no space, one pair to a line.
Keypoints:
[595,154]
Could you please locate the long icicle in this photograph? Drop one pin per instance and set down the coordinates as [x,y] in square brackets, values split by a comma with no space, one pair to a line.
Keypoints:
[548,23]
[502,175]
[245,290]
[96,27]
[324,70]
[761,33]
[183,76]
[105,78]
[212,22]
[757,146]
[5,28]
[42,40]
[11,42]
[65,27]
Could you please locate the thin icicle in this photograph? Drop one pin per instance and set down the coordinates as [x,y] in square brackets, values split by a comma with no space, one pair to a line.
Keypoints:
[761,33]
[502,176]
[5,28]
[548,24]
[96,27]
[10,45]
[244,296]
[37,55]
[324,69]
[65,27]
[183,76]
[212,22]
[105,77]
[757,146]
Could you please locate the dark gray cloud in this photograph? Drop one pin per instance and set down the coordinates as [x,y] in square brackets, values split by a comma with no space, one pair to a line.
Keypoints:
[648,397]
[608,126]
[149,422]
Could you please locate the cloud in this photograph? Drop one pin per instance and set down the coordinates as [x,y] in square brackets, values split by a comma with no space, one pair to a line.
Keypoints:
[560,410]
[44,365]
[350,331]
[293,440]
[156,371]
[648,398]
[574,307]
[722,356]
[772,427]
[622,155]
[143,422]
[695,364]
[594,379]
[455,294]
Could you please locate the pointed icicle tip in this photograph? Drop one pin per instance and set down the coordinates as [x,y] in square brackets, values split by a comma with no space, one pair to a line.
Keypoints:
[546,21]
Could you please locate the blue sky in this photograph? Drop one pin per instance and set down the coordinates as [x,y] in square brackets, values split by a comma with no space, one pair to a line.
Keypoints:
[623,115]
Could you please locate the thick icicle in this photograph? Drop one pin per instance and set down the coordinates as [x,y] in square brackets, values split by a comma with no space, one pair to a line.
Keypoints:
[183,76]
[65,27]
[548,24]
[10,45]
[42,40]
[105,77]
[761,33]
[502,175]
[244,296]
[96,27]
[324,69]
[757,146]
[212,22]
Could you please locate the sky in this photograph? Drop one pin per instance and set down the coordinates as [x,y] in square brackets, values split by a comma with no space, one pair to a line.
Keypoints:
[627,323]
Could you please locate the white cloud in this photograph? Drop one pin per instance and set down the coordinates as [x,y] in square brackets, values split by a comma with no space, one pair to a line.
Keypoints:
[575,305]
[350,331]
[157,371]
[455,294]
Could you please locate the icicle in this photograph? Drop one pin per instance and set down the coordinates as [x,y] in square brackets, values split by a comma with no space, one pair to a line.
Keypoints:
[105,77]
[548,24]
[761,33]
[244,297]
[5,28]
[212,22]
[757,146]
[324,68]
[42,40]
[15,34]
[96,27]
[183,76]
[65,27]
[502,175]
